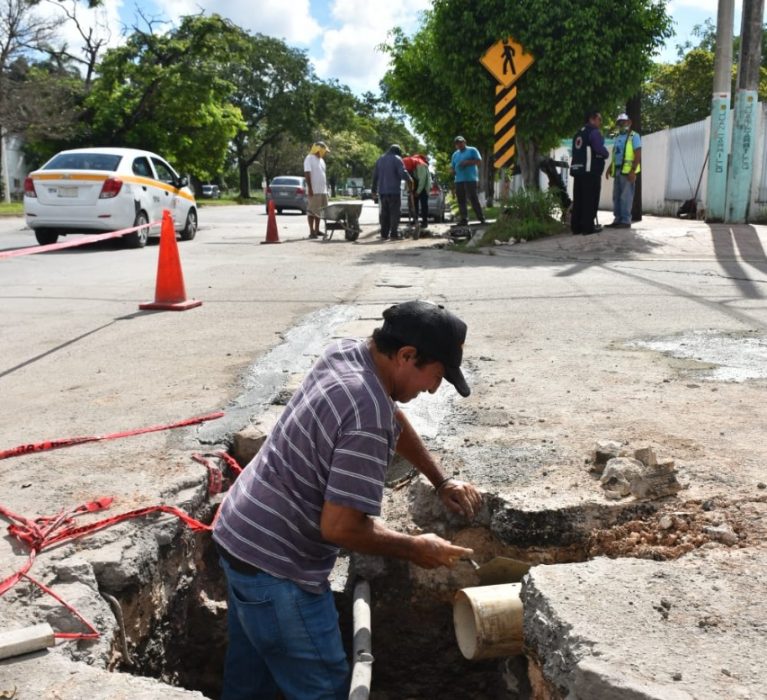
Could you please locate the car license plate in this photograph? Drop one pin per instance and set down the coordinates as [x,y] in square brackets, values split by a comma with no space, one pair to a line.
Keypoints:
[67,192]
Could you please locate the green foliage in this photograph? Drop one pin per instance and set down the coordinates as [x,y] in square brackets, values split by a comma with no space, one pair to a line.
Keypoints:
[11,209]
[679,93]
[527,214]
[273,91]
[587,53]
[43,102]
[171,94]
[351,156]
[218,102]
[358,131]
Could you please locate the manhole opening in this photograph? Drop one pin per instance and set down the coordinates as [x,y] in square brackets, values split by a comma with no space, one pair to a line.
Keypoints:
[414,646]
[175,628]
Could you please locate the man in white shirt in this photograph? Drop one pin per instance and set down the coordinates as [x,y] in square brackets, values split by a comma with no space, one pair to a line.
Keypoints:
[314,172]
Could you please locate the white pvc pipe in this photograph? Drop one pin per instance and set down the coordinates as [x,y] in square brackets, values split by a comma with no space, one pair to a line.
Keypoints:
[362,671]
[488,621]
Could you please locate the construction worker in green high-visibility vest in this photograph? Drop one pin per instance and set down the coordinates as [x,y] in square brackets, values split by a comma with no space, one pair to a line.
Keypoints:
[626,164]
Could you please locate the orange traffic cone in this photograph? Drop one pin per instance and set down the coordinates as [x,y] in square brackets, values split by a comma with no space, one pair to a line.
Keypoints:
[271,226]
[169,294]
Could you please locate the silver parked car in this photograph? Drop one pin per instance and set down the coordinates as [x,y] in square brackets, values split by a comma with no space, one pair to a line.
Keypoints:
[288,192]
[437,205]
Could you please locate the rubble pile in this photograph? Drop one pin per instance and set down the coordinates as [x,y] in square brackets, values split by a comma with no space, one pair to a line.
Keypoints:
[640,474]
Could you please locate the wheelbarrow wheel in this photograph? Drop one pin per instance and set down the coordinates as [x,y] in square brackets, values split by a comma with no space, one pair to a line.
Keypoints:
[352,234]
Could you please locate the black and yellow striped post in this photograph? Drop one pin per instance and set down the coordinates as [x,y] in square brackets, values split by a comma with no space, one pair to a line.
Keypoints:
[505,125]
[506,60]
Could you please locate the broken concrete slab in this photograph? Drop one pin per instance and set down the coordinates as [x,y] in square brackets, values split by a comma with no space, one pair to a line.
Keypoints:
[626,476]
[247,443]
[604,451]
[52,675]
[633,629]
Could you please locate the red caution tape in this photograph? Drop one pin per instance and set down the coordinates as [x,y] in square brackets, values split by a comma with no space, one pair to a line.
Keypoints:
[93,634]
[231,463]
[215,474]
[73,243]
[215,477]
[69,442]
[44,532]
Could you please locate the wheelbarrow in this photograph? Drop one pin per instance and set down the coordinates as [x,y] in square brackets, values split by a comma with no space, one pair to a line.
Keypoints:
[342,216]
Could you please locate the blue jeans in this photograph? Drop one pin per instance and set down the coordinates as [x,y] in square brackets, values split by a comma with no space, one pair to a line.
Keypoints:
[281,637]
[623,198]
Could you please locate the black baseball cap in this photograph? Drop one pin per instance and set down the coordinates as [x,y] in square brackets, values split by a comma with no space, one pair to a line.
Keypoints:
[433,331]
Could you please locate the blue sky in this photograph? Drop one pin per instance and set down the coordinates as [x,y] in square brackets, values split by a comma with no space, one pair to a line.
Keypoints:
[340,36]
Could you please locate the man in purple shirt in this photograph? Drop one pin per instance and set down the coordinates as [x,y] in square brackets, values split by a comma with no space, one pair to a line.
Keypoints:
[315,486]
[588,163]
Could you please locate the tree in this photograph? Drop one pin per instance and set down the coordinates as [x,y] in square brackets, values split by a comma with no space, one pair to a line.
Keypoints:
[95,38]
[22,30]
[171,94]
[679,93]
[285,156]
[594,53]
[272,92]
[44,103]
[357,130]
[352,156]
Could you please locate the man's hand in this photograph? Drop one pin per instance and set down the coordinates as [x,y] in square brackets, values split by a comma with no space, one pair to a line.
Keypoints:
[607,174]
[355,530]
[461,498]
[431,551]
[632,176]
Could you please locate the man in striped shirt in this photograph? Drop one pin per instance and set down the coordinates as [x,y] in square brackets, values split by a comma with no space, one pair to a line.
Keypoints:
[316,485]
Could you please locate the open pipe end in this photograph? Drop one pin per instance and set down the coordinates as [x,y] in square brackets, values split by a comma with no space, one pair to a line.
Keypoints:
[488,621]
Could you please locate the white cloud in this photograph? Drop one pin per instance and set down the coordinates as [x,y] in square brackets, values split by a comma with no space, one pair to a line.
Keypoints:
[346,48]
[702,5]
[290,21]
[350,52]
[352,58]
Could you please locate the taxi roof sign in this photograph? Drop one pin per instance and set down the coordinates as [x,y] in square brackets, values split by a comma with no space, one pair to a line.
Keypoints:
[506,60]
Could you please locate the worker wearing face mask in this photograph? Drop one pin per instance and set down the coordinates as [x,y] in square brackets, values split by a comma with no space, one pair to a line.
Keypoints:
[625,166]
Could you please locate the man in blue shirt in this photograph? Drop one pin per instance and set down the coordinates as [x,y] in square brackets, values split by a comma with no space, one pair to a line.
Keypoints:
[626,164]
[463,165]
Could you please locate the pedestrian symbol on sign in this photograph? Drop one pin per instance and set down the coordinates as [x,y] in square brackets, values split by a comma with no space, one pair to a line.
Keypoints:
[508,57]
[506,60]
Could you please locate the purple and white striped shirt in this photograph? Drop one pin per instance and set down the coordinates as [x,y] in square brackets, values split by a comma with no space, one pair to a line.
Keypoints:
[333,442]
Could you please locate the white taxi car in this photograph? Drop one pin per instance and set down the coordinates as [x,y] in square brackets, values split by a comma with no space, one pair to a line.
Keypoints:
[95,190]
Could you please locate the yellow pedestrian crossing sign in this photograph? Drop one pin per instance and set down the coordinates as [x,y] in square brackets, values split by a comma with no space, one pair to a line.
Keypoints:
[506,60]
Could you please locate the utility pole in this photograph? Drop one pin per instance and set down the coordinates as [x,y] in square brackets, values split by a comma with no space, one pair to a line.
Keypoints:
[746,103]
[719,136]
[634,110]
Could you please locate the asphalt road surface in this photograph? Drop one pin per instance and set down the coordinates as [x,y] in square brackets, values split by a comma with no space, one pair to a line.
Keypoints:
[571,340]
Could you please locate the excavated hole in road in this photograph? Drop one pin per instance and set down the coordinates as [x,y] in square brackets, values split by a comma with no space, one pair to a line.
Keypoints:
[176,627]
